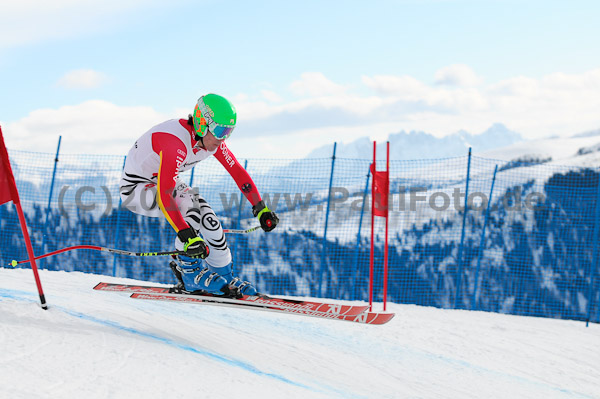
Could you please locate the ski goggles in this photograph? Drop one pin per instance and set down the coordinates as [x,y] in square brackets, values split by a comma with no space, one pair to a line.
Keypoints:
[207,124]
[220,132]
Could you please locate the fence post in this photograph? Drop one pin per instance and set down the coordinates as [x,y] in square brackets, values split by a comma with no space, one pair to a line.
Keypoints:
[241,199]
[118,226]
[482,242]
[51,191]
[362,211]
[239,214]
[192,178]
[462,235]
[323,257]
[594,266]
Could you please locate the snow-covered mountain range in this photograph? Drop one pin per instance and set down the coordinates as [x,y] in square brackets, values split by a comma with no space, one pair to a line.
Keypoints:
[419,145]
[498,142]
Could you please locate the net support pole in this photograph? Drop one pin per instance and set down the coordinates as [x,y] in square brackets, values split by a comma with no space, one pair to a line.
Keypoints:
[51,190]
[324,250]
[239,216]
[360,221]
[482,242]
[118,227]
[462,236]
[594,265]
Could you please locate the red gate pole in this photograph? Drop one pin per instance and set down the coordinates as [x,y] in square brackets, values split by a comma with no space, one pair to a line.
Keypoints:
[387,218]
[380,207]
[9,193]
[372,228]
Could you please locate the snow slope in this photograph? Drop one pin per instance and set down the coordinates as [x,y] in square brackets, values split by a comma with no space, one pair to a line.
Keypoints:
[562,150]
[105,345]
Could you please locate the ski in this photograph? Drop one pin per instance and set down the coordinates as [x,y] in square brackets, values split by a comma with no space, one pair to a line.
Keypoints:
[376,318]
[251,301]
[364,318]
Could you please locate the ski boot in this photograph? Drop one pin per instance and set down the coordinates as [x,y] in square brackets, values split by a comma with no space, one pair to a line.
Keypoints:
[194,278]
[235,284]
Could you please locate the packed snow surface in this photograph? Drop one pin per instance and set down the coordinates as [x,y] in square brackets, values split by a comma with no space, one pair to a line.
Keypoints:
[93,344]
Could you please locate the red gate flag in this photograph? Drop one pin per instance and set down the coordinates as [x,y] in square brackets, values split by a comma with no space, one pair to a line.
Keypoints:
[7,181]
[8,192]
[381,191]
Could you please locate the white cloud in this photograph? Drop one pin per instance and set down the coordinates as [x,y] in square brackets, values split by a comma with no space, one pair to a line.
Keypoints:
[559,103]
[519,86]
[555,104]
[589,80]
[271,96]
[409,90]
[406,87]
[251,110]
[457,75]
[82,79]
[92,127]
[315,84]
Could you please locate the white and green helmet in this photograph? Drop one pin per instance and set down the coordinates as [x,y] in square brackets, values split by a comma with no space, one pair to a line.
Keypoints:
[216,114]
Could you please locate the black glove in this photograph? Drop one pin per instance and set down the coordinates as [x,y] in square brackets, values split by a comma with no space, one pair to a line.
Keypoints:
[193,245]
[268,219]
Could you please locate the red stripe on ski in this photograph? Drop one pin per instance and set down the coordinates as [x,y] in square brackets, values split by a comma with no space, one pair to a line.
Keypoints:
[370,318]
[130,288]
[335,309]
[281,303]
[365,318]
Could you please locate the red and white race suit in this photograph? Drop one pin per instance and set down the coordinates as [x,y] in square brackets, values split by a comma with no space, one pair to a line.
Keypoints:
[150,183]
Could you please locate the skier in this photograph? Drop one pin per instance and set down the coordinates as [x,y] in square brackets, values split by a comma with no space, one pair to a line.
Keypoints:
[150,186]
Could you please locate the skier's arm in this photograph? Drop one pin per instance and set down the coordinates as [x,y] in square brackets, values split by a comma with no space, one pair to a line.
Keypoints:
[172,152]
[268,219]
[238,173]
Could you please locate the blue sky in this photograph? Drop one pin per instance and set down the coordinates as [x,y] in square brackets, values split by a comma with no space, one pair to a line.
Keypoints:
[302,74]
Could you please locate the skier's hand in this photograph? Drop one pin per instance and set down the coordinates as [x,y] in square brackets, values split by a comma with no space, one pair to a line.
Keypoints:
[193,245]
[268,219]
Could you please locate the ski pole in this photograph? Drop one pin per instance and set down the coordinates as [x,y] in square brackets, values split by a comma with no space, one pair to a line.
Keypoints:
[14,263]
[235,231]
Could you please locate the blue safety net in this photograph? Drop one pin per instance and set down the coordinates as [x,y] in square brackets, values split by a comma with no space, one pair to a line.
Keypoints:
[526,243]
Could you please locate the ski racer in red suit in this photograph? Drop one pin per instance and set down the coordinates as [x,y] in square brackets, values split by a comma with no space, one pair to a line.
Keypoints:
[150,186]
